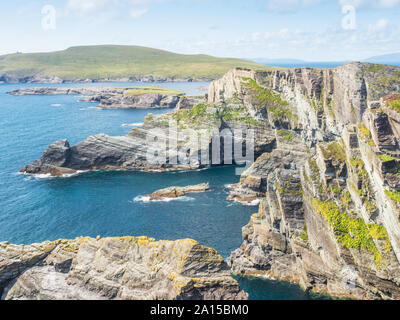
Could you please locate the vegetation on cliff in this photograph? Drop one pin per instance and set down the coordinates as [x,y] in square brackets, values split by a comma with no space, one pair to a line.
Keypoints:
[277,107]
[353,233]
[204,113]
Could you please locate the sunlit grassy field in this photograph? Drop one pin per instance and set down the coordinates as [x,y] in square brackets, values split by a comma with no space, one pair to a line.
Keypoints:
[99,62]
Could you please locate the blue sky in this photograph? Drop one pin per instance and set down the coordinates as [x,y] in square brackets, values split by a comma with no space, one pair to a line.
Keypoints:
[301,29]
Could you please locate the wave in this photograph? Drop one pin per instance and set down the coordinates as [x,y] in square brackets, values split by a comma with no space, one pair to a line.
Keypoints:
[56,105]
[39,176]
[146,199]
[132,124]
[253,203]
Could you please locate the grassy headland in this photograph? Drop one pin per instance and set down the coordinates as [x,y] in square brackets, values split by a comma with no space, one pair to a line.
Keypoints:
[137,91]
[109,61]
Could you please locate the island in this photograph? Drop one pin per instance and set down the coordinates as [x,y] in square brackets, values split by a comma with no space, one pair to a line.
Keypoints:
[176,192]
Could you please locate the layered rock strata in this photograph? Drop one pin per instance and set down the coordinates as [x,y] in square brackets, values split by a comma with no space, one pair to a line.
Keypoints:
[177,192]
[125,268]
[329,212]
[202,136]
[326,171]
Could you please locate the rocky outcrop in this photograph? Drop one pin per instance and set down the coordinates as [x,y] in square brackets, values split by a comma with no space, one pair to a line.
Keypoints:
[176,192]
[189,102]
[326,172]
[329,192]
[111,98]
[125,268]
[184,139]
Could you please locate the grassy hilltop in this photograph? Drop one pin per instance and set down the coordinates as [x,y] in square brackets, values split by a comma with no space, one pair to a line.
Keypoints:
[99,62]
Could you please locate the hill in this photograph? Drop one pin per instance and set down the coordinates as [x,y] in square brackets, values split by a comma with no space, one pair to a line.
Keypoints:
[393,58]
[115,62]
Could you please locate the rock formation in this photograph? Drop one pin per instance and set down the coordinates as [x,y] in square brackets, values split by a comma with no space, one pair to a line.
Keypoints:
[125,268]
[176,192]
[184,139]
[326,171]
[114,98]
[329,191]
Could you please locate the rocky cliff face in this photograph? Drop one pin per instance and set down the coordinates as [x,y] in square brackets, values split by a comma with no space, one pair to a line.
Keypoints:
[326,174]
[329,191]
[190,137]
[115,268]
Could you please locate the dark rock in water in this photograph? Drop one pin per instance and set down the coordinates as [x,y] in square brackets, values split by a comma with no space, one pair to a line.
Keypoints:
[110,98]
[125,268]
[176,192]
[57,154]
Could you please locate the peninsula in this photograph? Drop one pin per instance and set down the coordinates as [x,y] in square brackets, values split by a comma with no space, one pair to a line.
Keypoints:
[114,63]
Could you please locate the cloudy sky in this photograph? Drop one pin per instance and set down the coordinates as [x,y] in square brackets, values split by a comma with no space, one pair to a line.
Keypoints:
[315,30]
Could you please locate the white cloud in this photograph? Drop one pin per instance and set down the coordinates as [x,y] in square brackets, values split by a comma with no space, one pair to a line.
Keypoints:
[290,5]
[83,6]
[379,4]
[380,25]
[137,13]
[134,8]
[293,5]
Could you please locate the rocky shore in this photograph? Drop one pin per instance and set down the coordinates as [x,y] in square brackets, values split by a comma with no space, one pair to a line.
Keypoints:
[126,268]
[115,98]
[177,192]
[326,171]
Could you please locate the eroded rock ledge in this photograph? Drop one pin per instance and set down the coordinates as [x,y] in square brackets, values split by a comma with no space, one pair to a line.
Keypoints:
[126,268]
[176,192]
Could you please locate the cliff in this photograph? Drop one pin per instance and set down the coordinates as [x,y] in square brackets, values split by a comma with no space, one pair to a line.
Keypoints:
[180,140]
[326,172]
[329,212]
[126,268]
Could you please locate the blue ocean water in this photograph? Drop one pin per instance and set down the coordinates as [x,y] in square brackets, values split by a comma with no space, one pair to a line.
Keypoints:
[103,203]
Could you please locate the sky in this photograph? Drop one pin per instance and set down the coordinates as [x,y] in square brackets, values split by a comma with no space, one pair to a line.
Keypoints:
[313,30]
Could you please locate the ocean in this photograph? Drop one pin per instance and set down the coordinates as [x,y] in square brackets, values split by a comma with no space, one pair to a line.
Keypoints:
[34,209]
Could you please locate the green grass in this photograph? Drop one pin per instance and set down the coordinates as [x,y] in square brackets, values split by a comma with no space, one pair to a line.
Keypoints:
[136,91]
[201,114]
[353,233]
[108,61]
[386,158]
[304,234]
[395,105]
[366,134]
[277,106]
[333,150]
[394,195]
[286,135]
